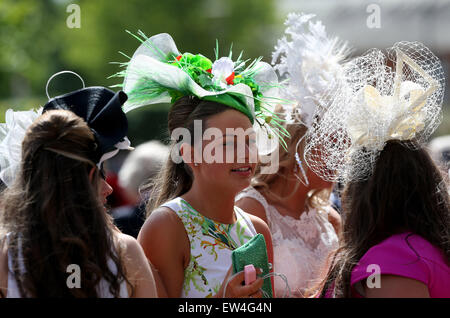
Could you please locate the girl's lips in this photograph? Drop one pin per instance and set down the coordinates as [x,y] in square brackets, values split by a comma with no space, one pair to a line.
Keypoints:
[243,171]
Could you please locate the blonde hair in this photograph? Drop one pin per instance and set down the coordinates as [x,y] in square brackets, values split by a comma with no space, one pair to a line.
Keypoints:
[316,198]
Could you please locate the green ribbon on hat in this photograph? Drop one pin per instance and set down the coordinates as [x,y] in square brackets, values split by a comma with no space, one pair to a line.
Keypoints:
[233,100]
[159,73]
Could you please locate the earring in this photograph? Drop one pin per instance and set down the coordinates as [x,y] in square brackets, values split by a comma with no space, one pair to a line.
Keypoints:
[300,165]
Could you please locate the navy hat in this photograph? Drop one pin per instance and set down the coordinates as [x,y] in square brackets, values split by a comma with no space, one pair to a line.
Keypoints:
[101,108]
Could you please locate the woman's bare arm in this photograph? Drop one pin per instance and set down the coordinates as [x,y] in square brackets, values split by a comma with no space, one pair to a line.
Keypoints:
[166,246]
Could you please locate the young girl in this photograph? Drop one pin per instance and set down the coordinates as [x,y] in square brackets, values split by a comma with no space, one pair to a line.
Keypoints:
[194,225]
[396,234]
[54,211]
[294,201]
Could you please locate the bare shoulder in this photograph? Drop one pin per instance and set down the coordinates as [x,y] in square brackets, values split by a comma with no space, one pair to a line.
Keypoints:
[398,287]
[166,245]
[260,225]
[335,219]
[163,225]
[132,254]
[162,219]
[252,206]
[129,245]
[163,235]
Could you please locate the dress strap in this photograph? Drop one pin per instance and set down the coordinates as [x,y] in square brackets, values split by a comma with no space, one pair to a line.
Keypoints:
[242,214]
[173,204]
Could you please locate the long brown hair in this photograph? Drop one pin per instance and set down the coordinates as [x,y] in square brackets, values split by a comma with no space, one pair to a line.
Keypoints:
[53,214]
[175,179]
[406,192]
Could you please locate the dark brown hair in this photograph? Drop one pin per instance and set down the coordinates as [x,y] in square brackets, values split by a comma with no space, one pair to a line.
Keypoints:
[406,192]
[176,179]
[53,214]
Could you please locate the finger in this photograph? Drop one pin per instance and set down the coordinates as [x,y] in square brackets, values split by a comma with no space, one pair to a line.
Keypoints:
[238,279]
[227,284]
[252,288]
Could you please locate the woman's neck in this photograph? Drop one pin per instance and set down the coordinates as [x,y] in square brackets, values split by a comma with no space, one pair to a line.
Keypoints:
[293,195]
[212,203]
[293,200]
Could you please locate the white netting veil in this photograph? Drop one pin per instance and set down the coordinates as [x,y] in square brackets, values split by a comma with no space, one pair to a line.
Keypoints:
[383,97]
[311,61]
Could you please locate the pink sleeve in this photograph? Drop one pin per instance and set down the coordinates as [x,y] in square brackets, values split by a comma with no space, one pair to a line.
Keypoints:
[392,257]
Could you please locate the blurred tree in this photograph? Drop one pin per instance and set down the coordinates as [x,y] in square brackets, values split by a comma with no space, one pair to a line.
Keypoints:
[36,42]
[194,25]
[29,46]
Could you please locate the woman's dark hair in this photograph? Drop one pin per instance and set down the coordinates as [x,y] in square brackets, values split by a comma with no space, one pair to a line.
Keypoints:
[54,216]
[406,192]
[176,179]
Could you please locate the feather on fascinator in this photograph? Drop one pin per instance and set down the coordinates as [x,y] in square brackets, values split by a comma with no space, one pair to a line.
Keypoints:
[159,73]
[312,63]
[98,106]
[384,97]
[12,133]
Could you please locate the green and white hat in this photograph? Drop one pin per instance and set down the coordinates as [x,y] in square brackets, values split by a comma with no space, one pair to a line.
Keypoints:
[159,73]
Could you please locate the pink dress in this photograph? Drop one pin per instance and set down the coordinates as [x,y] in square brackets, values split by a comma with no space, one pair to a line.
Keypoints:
[407,255]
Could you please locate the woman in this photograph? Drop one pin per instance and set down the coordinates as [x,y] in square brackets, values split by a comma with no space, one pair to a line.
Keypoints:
[294,201]
[194,225]
[54,212]
[396,233]
[303,225]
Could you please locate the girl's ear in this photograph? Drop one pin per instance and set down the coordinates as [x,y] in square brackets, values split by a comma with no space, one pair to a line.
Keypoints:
[91,173]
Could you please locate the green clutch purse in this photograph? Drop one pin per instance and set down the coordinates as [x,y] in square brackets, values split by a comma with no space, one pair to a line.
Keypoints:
[253,252]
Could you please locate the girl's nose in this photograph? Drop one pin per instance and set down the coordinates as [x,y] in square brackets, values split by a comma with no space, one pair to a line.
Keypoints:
[106,188]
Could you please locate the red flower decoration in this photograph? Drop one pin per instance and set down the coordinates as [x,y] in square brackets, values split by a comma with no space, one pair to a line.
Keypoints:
[178,57]
[230,79]
[209,70]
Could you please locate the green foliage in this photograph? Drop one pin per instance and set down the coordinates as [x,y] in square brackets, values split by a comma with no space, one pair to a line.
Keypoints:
[36,42]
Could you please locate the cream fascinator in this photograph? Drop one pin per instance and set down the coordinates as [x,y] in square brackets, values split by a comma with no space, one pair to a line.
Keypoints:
[311,62]
[397,96]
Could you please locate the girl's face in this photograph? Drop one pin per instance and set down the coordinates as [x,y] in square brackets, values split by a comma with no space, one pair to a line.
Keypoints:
[229,159]
[105,190]
[103,187]
[318,154]
[316,182]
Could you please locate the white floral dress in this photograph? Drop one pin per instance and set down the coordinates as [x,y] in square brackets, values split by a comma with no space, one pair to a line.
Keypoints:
[300,246]
[211,246]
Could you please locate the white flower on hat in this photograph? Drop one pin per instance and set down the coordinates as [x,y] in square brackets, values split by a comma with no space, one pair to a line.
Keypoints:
[223,72]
